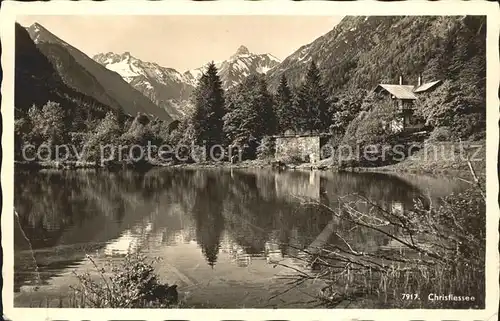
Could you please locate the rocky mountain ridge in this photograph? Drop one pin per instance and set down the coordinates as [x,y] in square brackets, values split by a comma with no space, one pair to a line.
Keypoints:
[89,77]
[170,89]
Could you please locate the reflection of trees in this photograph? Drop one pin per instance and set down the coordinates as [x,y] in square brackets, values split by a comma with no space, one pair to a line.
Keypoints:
[49,203]
[207,211]
[66,214]
[253,219]
[357,188]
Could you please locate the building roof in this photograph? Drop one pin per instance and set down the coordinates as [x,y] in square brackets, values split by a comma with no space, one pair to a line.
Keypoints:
[407,91]
[399,91]
[427,86]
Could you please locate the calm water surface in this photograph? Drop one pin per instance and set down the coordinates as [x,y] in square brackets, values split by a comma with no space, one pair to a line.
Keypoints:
[219,232]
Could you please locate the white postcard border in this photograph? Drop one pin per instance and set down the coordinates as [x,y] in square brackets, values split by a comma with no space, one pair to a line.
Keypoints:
[11,9]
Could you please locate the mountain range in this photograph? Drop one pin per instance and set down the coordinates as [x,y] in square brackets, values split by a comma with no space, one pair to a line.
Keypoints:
[170,89]
[165,87]
[85,75]
[237,67]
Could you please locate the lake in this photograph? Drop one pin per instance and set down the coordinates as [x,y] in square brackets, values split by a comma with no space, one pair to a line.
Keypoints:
[219,232]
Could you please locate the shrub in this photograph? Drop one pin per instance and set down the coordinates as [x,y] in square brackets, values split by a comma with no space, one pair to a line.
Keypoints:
[132,284]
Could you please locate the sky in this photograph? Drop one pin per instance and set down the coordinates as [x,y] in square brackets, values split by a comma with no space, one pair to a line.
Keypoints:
[185,42]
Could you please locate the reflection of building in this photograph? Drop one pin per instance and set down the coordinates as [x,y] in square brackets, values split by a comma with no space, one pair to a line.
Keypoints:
[272,253]
[298,185]
[241,258]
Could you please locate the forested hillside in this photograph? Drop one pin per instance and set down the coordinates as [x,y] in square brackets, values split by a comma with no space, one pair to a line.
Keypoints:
[37,82]
[361,52]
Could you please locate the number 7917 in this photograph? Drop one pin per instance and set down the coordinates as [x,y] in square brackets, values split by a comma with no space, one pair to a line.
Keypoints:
[407,296]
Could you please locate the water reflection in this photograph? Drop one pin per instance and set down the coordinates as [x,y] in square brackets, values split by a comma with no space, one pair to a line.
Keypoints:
[235,219]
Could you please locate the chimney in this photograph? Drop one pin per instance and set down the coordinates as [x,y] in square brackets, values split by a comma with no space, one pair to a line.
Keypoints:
[419,80]
[400,80]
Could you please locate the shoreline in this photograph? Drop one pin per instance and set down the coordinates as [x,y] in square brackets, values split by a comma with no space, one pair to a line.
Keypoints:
[423,161]
[254,164]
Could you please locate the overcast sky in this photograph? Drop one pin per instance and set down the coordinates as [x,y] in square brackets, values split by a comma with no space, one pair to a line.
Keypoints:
[185,42]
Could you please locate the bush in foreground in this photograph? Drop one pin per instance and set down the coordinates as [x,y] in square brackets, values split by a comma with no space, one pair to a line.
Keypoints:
[132,284]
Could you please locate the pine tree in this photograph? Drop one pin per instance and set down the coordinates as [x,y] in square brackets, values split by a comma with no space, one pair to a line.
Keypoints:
[250,114]
[284,106]
[232,119]
[255,101]
[267,114]
[312,103]
[209,108]
[241,120]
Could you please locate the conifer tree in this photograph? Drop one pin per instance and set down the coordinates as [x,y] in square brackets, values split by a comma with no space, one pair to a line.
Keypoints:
[251,112]
[284,106]
[242,118]
[209,108]
[312,103]
[266,103]
[232,119]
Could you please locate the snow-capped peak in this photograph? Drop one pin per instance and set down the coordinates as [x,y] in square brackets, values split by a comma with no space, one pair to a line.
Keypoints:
[165,87]
[130,67]
[242,50]
[240,65]
[168,88]
[126,55]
